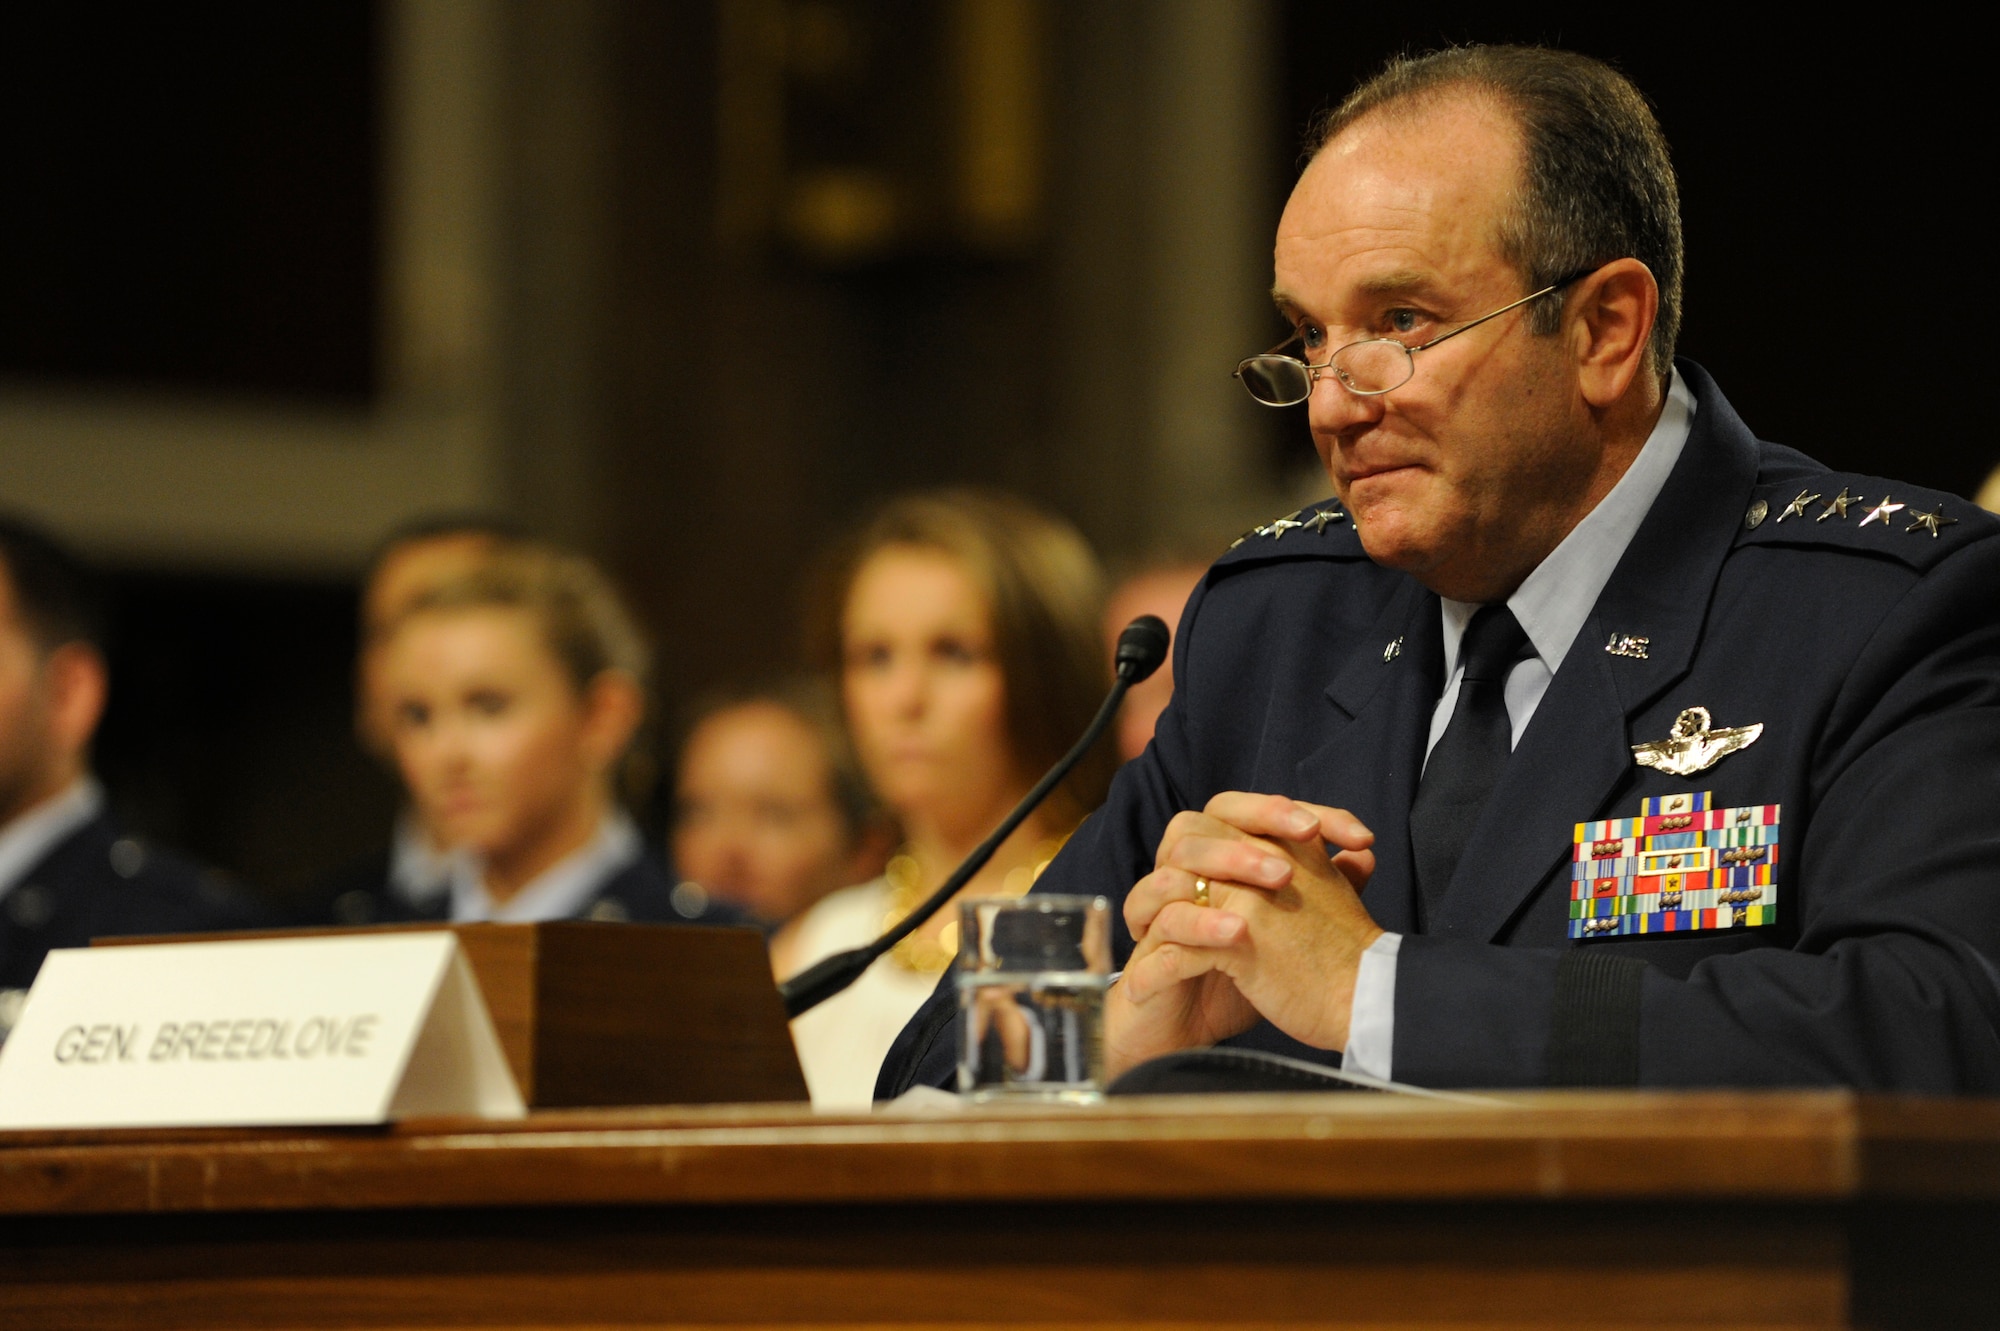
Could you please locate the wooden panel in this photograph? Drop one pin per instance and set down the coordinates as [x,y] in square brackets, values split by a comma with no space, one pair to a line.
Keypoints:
[1172,1265]
[639,1015]
[1571,1209]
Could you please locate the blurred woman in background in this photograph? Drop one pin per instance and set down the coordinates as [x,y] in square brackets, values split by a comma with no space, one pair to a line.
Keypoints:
[964,628]
[771,812]
[513,693]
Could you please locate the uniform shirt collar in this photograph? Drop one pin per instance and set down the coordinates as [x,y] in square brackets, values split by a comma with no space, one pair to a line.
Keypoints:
[27,840]
[419,873]
[562,891]
[1555,599]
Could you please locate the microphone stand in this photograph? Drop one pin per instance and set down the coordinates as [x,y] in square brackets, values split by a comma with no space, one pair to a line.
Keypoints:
[1141,648]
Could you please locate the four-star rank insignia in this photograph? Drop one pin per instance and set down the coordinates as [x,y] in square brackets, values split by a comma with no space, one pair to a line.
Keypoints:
[1680,866]
[1693,746]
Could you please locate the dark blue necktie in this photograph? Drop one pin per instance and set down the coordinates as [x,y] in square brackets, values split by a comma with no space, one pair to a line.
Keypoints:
[1467,761]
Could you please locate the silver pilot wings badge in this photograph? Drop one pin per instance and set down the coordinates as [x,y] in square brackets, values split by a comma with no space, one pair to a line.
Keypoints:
[1693,746]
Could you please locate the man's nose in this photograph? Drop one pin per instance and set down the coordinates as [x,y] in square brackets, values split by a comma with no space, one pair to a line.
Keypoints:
[1334,409]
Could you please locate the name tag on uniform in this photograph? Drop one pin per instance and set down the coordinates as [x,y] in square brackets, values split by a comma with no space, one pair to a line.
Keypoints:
[1679,867]
[254,1032]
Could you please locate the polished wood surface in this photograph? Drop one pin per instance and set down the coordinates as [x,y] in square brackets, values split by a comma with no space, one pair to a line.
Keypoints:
[1574,1209]
[578,1008]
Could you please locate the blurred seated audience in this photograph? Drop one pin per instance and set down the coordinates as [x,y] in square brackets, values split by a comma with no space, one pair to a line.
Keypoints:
[416,865]
[513,693]
[771,812]
[68,873]
[1160,587]
[964,627]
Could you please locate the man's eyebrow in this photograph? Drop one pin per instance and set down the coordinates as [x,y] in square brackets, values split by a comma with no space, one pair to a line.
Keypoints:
[1402,282]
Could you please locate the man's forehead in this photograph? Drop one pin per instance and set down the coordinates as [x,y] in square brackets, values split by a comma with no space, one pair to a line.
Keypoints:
[1397,195]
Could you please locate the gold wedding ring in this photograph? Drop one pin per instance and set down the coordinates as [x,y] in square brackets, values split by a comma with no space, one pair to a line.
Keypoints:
[1201,892]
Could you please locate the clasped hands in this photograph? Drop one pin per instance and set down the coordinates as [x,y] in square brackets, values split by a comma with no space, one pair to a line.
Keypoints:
[1281,939]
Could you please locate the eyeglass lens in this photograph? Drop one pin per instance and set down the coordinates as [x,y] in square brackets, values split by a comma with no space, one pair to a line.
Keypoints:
[1371,367]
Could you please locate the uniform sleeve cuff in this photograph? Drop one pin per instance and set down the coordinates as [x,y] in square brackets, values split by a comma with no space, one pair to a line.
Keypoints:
[1371,1028]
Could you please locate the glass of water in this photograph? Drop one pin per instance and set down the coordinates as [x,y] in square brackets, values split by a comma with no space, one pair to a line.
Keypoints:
[1032,972]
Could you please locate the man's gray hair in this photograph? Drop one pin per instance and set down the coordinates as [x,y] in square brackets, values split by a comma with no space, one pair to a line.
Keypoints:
[1598,183]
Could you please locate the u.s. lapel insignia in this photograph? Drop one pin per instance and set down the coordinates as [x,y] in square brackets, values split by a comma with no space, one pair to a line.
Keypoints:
[1392,651]
[1681,865]
[1693,746]
[1628,644]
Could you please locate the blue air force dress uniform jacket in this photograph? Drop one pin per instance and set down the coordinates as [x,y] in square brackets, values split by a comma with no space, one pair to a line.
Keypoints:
[97,882]
[1657,893]
[640,892]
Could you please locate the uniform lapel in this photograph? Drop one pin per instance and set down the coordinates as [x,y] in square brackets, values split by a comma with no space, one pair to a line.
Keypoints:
[1369,766]
[1577,748]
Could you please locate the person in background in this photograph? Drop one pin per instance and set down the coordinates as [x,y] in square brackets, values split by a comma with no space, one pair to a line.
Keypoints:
[771,812]
[1988,497]
[67,872]
[964,629]
[416,864]
[1159,587]
[513,692]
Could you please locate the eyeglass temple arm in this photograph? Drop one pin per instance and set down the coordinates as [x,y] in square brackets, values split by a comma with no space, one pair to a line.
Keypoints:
[1533,295]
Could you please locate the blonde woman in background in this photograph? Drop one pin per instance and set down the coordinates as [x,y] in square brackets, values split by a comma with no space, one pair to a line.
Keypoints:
[963,627]
[513,692]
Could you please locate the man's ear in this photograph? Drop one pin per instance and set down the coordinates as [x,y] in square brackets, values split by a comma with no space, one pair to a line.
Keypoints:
[78,685]
[1611,315]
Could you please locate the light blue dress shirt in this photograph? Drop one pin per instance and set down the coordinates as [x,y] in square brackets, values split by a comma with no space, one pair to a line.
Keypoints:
[1551,605]
[561,891]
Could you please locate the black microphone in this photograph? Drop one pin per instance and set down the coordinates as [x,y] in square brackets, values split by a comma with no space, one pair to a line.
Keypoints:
[1141,649]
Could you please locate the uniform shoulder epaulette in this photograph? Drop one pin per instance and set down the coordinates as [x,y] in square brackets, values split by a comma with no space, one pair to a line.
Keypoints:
[1325,529]
[1865,514]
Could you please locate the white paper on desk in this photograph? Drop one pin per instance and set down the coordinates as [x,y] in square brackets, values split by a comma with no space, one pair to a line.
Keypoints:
[252,1032]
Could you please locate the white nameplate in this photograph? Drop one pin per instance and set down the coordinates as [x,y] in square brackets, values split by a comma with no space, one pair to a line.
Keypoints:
[255,1031]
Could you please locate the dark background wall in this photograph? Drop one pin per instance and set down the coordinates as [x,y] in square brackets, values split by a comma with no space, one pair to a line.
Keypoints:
[1831,180]
[709,399]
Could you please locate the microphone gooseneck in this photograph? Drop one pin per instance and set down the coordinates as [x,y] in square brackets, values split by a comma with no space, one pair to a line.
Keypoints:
[1141,649]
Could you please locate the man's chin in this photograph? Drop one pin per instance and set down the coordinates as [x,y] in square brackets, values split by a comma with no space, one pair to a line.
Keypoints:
[1392,539]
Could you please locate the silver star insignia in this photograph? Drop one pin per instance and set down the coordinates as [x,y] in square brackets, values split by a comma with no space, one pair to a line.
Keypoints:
[1691,746]
[1839,505]
[1929,522]
[1881,512]
[1276,531]
[1322,519]
[1797,508]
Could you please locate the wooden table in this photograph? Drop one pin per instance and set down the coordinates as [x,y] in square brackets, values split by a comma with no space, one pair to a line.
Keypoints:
[1572,1209]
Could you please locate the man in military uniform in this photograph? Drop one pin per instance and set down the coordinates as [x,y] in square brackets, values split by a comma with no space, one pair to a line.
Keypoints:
[1585,738]
[67,873]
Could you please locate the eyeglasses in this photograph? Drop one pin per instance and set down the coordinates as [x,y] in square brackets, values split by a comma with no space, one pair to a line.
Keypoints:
[1368,368]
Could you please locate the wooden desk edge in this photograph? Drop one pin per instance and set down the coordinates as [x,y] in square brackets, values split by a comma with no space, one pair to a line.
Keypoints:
[1768,1146]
